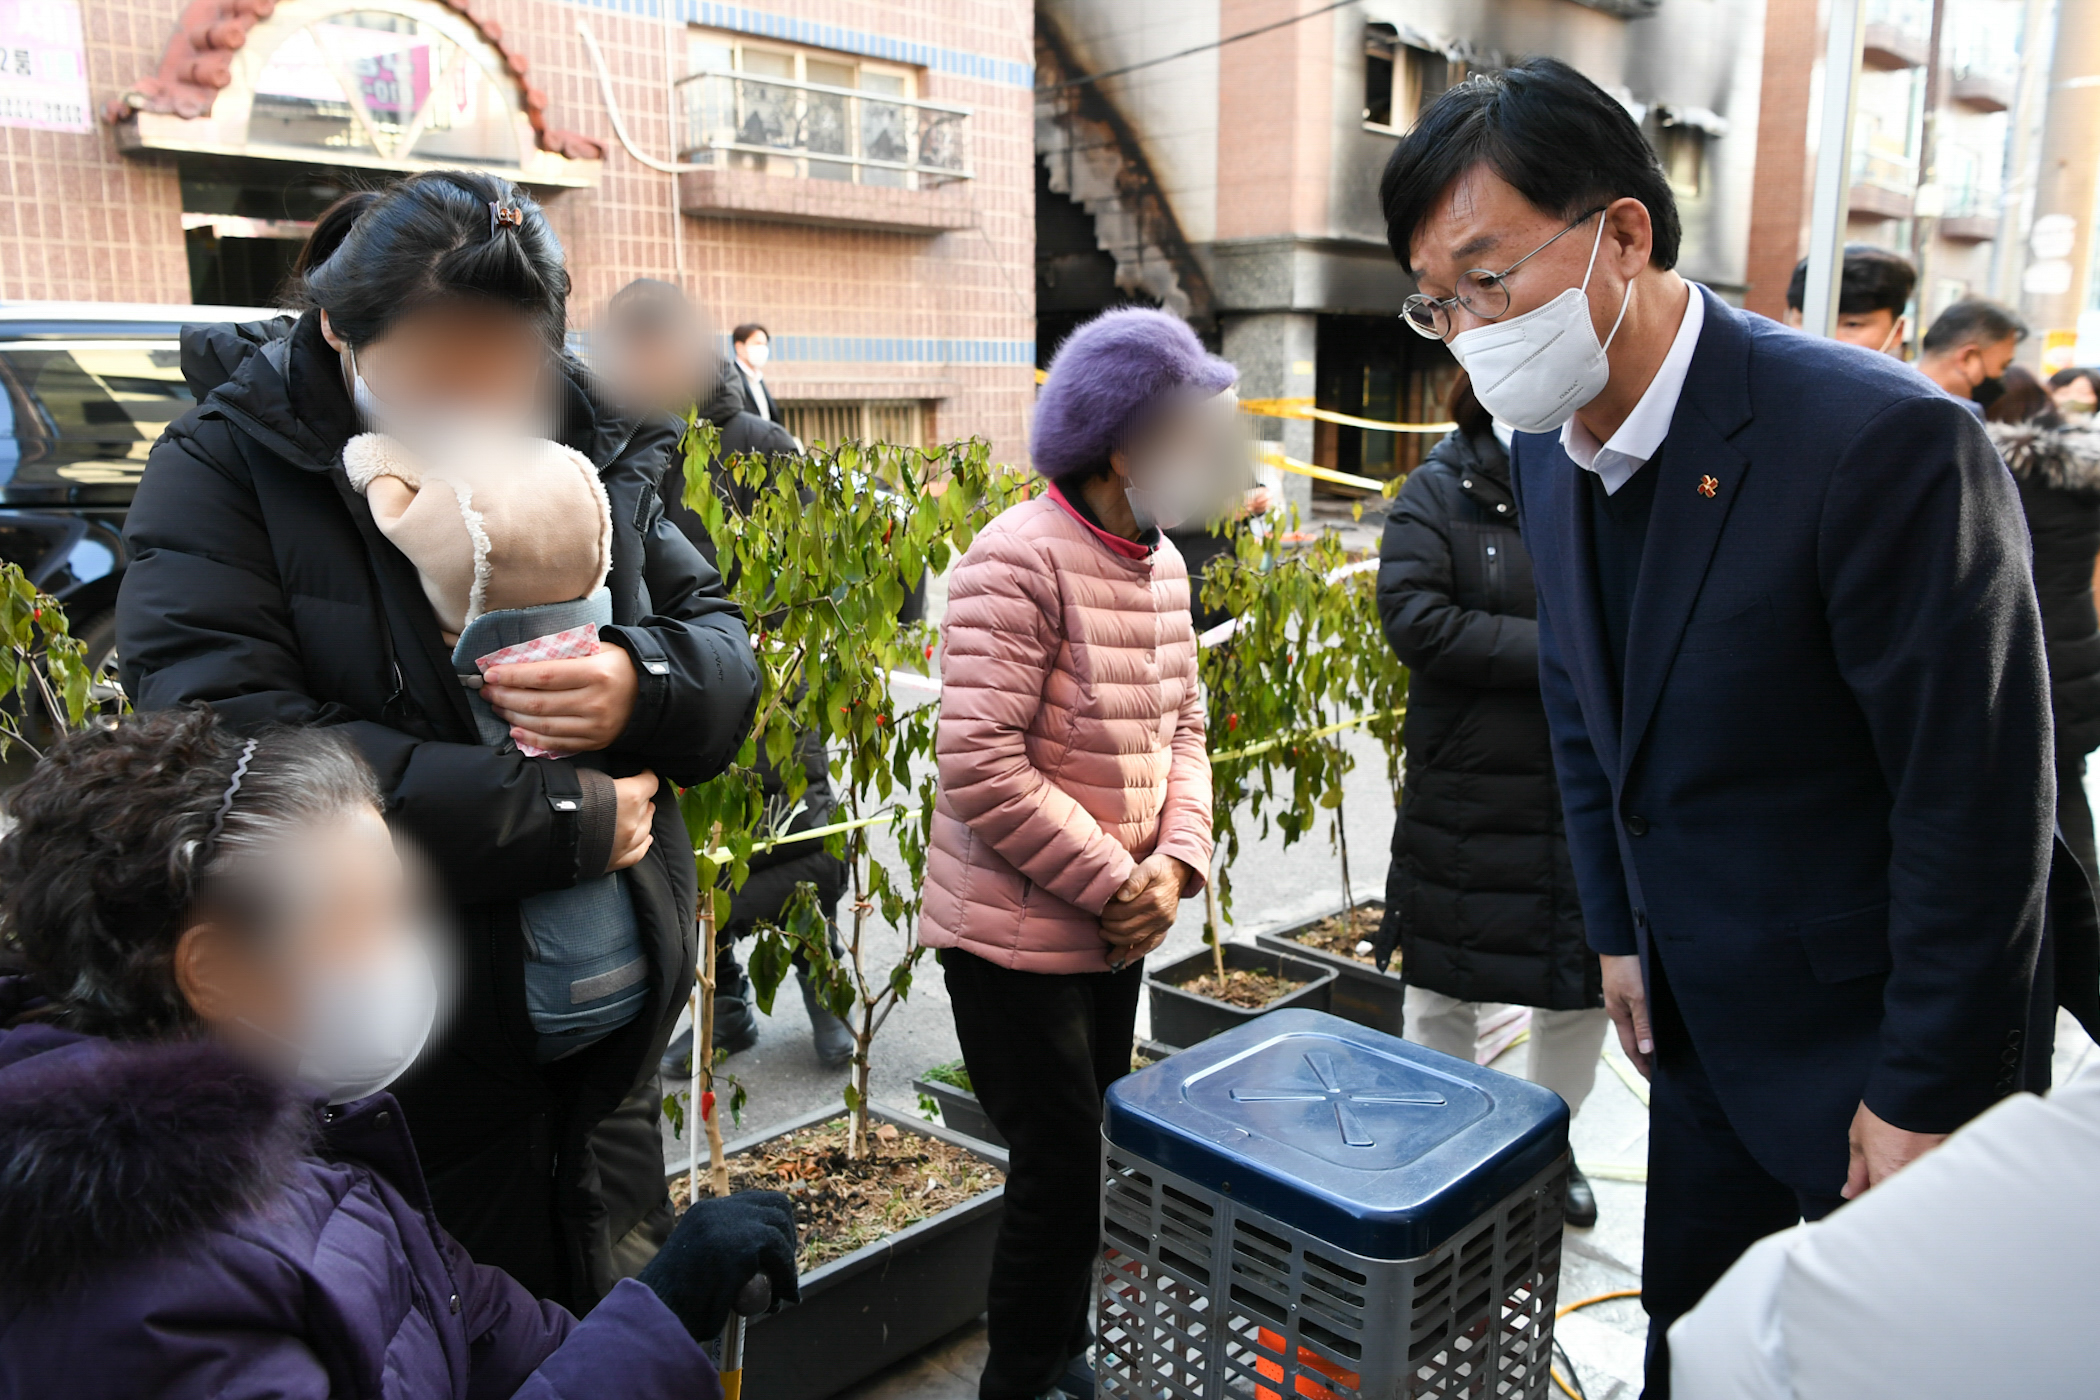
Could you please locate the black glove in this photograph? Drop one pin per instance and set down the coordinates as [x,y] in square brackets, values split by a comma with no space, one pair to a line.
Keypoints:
[1386,938]
[715,1249]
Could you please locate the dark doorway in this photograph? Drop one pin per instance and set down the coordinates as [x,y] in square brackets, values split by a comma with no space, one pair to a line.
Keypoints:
[237,271]
[1074,280]
[244,221]
[1374,367]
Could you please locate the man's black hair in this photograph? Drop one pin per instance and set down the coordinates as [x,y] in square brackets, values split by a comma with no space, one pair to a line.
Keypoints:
[1874,279]
[1557,138]
[1973,322]
[746,331]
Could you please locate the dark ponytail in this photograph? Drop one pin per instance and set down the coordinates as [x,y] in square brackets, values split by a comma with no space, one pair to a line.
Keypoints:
[376,255]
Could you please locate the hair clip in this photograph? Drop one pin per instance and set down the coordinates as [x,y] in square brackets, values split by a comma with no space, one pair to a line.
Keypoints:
[504,216]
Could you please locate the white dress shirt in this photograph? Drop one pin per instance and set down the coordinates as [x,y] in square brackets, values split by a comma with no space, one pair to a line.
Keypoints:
[1642,434]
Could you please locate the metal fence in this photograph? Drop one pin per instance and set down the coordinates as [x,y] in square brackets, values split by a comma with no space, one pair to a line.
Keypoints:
[784,127]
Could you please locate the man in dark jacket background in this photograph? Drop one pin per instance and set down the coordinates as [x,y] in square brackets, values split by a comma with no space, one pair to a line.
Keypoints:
[657,356]
[261,584]
[1481,898]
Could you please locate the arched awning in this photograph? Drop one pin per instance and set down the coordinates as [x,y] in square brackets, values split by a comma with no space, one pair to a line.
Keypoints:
[397,85]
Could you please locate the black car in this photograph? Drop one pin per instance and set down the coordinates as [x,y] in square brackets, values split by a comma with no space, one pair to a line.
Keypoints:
[88,388]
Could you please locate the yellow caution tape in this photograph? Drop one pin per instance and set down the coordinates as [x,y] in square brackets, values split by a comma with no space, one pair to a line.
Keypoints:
[1305,409]
[1319,473]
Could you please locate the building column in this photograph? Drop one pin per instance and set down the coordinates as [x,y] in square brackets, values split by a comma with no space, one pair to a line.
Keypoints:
[1274,353]
[2056,281]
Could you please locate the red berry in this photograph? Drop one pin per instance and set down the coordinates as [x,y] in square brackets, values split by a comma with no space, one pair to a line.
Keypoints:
[882,719]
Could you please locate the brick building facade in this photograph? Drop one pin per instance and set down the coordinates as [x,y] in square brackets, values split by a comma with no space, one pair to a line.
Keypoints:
[858,175]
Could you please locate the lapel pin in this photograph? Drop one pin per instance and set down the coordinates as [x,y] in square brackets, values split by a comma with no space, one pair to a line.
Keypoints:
[1707,486]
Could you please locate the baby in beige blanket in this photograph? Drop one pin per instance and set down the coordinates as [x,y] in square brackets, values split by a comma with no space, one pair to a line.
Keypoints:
[487,535]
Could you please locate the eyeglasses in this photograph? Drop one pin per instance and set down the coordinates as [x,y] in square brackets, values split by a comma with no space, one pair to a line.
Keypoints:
[1485,294]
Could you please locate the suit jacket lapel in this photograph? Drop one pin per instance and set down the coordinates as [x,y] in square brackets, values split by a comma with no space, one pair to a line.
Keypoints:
[1701,475]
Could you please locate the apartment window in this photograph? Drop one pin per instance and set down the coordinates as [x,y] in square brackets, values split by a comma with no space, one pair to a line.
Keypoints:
[1401,79]
[831,422]
[814,113]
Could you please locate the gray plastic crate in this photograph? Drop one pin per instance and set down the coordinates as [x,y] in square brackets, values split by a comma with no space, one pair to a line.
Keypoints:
[1382,1223]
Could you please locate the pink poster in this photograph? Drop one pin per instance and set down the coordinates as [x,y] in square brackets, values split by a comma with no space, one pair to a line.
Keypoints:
[43,67]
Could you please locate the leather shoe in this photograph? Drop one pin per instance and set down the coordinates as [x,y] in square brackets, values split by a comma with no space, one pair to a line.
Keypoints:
[1581,1208]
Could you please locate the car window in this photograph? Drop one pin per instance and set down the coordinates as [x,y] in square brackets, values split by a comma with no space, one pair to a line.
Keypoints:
[86,412]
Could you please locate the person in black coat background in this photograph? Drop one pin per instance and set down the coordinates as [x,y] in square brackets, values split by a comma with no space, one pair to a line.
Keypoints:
[658,356]
[262,585]
[1481,898]
[2057,466]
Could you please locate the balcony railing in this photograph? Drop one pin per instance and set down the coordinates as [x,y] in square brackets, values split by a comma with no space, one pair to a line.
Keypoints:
[817,132]
[1883,171]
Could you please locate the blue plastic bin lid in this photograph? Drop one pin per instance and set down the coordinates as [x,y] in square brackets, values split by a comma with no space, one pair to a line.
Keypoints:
[1383,1148]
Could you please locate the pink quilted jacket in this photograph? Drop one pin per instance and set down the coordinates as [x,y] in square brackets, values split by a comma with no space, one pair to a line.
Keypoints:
[1071,738]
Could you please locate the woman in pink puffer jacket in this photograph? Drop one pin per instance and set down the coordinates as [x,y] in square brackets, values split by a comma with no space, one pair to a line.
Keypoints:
[1074,811]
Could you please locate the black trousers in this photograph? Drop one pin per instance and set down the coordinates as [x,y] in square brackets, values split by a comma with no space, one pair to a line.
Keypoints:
[1708,1199]
[1042,1048]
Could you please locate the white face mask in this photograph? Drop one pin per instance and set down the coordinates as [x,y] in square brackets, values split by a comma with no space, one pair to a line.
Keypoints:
[756,353]
[361,1028]
[451,438]
[1536,370]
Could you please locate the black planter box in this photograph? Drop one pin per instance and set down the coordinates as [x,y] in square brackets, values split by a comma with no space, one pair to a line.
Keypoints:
[960,1111]
[1181,1019]
[884,1301]
[1361,992]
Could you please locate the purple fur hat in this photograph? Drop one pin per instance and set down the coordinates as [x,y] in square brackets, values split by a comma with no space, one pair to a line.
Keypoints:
[1108,376]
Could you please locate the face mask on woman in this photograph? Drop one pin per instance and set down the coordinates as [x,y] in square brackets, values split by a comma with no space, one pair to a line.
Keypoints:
[358,1028]
[447,434]
[1536,370]
[1187,466]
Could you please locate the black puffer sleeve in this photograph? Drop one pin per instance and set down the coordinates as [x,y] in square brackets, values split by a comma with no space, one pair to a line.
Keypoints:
[1424,622]
[699,681]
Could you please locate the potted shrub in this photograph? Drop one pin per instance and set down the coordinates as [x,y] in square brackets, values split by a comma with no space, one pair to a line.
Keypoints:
[898,1215]
[1340,942]
[1303,662]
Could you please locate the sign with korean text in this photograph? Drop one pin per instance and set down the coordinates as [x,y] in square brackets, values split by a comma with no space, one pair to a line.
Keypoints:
[43,66]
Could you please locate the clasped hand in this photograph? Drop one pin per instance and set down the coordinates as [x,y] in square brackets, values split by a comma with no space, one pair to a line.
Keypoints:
[1139,914]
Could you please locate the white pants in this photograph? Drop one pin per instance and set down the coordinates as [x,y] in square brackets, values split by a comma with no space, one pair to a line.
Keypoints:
[1564,1045]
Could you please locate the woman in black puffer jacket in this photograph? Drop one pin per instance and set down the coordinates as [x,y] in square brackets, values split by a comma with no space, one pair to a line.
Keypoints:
[262,585]
[2057,466]
[1481,898]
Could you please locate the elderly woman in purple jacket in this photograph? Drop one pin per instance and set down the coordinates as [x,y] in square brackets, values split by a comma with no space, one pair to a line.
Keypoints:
[204,1191]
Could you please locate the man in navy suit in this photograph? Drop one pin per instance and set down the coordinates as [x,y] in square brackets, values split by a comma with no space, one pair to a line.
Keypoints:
[1792,665]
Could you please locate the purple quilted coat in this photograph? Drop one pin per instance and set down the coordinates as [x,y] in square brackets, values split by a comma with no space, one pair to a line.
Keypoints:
[174,1225]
